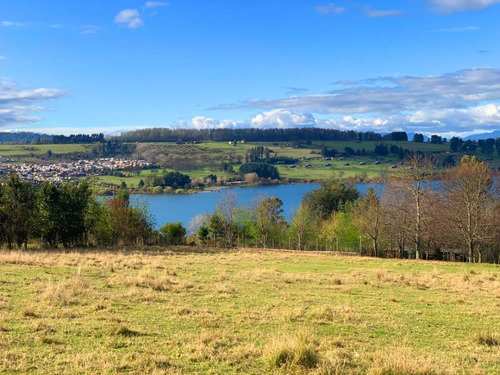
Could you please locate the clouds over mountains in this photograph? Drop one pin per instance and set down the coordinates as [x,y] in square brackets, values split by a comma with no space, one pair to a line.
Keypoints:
[464,102]
[467,99]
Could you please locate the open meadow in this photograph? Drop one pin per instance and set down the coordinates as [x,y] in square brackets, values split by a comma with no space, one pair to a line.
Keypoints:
[245,312]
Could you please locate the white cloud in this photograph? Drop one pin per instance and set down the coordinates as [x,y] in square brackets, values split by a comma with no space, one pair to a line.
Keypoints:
[89,29]
[130,17]
[9,23]
[282,118]
[392,95]
[200,122]
[155,4]
[329,9]
[278,118]
[360,124]
[2,57]
[464,101]
[454,6]
[16,104]
[370,13]
[459,29]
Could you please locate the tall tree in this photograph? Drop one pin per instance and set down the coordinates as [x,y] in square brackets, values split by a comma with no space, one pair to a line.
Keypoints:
[368,218]
[269,217]
[226,210]
[19,209]
[415,173]
[470,202]
[331,196]
[303,223]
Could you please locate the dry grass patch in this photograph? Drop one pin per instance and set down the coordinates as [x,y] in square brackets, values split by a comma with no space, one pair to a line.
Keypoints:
[293,351]
[401,361]
[157,282]
[66,292]
[302,353]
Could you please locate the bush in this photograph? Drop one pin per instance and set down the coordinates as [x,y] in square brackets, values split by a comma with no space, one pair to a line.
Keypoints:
[263,170]
[174,233]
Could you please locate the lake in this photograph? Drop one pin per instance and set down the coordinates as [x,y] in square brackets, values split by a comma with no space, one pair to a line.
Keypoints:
[184,207]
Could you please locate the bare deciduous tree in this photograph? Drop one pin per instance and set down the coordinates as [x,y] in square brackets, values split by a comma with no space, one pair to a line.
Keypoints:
[415,172]
[227,209]
[368,218]
[470,205]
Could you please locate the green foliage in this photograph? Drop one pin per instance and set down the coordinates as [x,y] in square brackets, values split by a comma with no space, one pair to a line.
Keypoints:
[331,196]
[173,180]
[269,219]
[18,207]
[263,170]
[417,137]
[174,233]
[257,154]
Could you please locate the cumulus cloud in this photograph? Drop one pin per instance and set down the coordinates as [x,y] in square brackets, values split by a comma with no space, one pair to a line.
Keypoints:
[129,17]
[155,4]
[278,118]
[330,8]
[17,105]
[371,13]
[201,122]
[454,6]
[463,101]
[282,118]
[359,123]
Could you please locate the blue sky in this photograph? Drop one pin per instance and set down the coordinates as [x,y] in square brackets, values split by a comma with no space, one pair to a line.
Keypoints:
[430,66]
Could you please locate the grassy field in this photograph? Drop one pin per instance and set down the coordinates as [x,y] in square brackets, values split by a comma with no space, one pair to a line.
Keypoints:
[26,150]
[242,312]
[207,157]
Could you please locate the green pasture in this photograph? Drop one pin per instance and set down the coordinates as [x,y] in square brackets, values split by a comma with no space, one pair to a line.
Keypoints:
[220,312]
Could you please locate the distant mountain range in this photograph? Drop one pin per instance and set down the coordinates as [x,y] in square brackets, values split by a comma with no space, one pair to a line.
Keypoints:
[476,137]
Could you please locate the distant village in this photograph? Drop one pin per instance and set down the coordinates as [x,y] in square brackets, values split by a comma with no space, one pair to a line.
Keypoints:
[69,171]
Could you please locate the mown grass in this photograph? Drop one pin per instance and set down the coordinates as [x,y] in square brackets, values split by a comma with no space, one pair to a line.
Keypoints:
[242,312]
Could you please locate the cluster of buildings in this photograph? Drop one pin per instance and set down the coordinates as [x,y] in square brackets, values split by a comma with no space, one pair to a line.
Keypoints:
[69,170]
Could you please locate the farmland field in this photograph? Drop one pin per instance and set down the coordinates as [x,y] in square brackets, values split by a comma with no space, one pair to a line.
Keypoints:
[244,312]
[201,160]
[26,150]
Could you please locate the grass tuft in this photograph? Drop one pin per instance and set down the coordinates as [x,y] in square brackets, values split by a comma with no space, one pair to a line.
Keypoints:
[487,339]
[298,350]
[127,332]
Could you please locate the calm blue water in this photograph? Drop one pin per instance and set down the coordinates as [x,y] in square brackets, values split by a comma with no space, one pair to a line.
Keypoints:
[184,207]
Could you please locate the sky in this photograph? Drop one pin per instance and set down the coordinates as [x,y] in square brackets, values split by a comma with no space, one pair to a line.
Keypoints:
[73,66]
